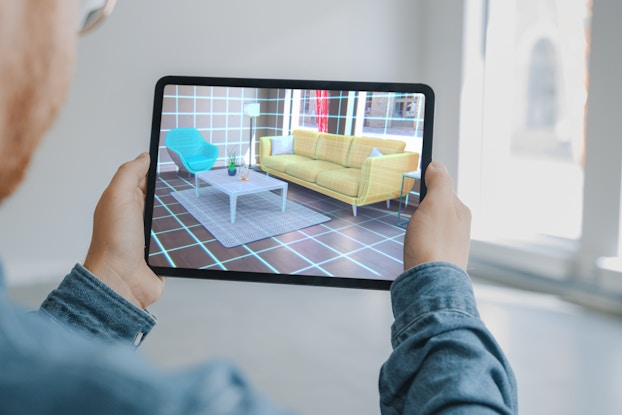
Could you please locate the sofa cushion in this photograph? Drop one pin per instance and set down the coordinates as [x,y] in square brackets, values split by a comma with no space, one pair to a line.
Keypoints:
[305,142]
[375,152]
[282,145]
[308,170]
[333,148]
[280,162]
[363,146]
[344,181]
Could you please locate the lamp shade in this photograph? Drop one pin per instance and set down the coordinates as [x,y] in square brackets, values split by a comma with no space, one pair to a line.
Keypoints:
[252,109]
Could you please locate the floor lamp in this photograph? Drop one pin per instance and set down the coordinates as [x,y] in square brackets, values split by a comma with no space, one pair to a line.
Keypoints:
[252,111]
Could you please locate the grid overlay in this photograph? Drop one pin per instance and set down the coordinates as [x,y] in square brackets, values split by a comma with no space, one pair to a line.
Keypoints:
[217,112]
[366,246]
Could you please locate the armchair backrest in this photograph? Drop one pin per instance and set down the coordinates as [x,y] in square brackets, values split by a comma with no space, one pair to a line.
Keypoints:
[189,150]
[185,141]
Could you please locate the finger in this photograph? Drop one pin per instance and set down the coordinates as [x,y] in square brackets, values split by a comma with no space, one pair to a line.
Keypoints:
[437,179]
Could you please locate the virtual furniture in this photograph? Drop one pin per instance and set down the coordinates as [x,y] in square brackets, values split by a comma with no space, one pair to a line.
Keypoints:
[408,180]
[356,170]
[190,151]
[234,187]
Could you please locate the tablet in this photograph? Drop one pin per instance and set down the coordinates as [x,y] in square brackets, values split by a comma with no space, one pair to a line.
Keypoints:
[285,181]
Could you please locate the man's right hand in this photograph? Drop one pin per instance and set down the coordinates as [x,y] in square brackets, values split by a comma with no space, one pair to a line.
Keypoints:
[116,255]
[440,229]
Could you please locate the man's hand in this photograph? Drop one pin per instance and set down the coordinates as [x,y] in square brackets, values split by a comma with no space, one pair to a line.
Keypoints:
[116,254]
[440,228]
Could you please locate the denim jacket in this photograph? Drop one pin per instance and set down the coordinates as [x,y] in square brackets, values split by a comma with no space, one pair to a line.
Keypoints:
[444,359]
[77,355]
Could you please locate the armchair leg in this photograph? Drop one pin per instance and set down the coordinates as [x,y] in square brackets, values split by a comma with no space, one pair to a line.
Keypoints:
[196,184]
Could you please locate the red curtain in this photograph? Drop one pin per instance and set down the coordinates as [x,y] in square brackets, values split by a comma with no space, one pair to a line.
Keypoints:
[321,110]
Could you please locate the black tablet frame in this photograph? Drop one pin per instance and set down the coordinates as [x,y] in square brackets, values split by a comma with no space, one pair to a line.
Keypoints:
[346,282]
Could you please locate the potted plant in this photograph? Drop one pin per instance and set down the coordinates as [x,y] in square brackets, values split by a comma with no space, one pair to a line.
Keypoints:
[231,160]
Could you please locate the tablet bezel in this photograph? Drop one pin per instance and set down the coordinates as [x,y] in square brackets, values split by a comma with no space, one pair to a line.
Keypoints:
[295,279]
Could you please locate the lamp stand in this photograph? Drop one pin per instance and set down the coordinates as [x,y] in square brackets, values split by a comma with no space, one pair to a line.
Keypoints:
[250,146]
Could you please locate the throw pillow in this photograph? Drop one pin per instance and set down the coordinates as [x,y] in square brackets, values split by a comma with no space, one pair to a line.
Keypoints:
[283,145]
[375,152]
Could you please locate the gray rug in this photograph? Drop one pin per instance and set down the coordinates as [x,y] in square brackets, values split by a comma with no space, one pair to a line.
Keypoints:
[258,216]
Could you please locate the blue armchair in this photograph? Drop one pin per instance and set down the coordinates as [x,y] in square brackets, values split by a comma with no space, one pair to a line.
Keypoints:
[191,152]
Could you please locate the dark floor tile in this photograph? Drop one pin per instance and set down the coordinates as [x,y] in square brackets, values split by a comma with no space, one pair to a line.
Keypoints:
[160,211]
[346,268]
[262,244]
[247,264]
[284,260]
[191,257]
[314,251]
[201,234]
[391,248]
[188,220]
[158,260]
[177,208]
[383,228]
[164,224]
[290,237]
[175,239]
[340,242]
[337,223]
[315,230]
[388,267]
[362,235]
[167,199]
[225,254]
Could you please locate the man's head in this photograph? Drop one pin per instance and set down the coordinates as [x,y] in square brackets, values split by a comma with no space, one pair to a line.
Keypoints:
[37,48]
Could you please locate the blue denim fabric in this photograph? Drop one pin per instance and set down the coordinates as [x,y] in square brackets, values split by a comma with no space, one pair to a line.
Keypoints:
[84,302]
[47,368]
[444,359]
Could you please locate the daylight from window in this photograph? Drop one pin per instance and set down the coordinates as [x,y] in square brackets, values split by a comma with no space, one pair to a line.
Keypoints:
[535,89]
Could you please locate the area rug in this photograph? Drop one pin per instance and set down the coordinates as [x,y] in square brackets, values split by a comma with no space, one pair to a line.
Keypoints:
[258,216]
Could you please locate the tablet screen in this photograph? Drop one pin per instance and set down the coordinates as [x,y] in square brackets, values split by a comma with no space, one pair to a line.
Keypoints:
[286,181]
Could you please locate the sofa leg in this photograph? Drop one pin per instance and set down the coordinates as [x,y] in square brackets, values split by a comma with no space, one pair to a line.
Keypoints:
[354,210]
[389,204]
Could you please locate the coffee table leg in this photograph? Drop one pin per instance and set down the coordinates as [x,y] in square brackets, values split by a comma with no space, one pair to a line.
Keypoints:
[233,202]
[284,197]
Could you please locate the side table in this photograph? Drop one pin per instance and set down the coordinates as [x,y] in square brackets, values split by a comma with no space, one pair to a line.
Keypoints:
[411,176]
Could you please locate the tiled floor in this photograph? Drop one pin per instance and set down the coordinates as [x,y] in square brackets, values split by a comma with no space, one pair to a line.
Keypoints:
[368,245]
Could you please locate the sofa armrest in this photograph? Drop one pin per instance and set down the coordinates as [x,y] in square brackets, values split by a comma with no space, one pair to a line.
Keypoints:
[381,177]
[265,147]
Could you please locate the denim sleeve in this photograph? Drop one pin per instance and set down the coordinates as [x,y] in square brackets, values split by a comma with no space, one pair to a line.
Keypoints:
[444,360]
[85,303]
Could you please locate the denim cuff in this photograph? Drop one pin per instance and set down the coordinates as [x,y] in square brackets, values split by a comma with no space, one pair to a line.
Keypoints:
[83,302]
[429,288]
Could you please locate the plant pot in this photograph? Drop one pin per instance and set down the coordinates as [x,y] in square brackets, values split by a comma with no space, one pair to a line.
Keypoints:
[232,172]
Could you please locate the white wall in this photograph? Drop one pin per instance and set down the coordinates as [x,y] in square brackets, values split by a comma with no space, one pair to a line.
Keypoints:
[46,225]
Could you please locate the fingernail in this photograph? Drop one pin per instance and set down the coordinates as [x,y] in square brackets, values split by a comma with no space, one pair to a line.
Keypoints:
[440,166]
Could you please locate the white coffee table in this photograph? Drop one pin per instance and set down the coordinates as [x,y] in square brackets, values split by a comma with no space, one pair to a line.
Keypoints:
[234,186]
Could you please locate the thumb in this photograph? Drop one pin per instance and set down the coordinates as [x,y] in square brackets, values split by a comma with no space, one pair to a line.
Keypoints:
[133,172]
[437,179]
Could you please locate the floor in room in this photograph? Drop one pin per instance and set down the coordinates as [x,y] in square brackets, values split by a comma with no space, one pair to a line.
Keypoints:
[368,245]
[319,350]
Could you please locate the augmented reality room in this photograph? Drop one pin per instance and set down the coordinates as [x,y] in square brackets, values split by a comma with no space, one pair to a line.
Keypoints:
[316,172]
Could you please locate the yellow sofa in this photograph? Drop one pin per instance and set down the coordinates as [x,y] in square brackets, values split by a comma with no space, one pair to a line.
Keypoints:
[355,170]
